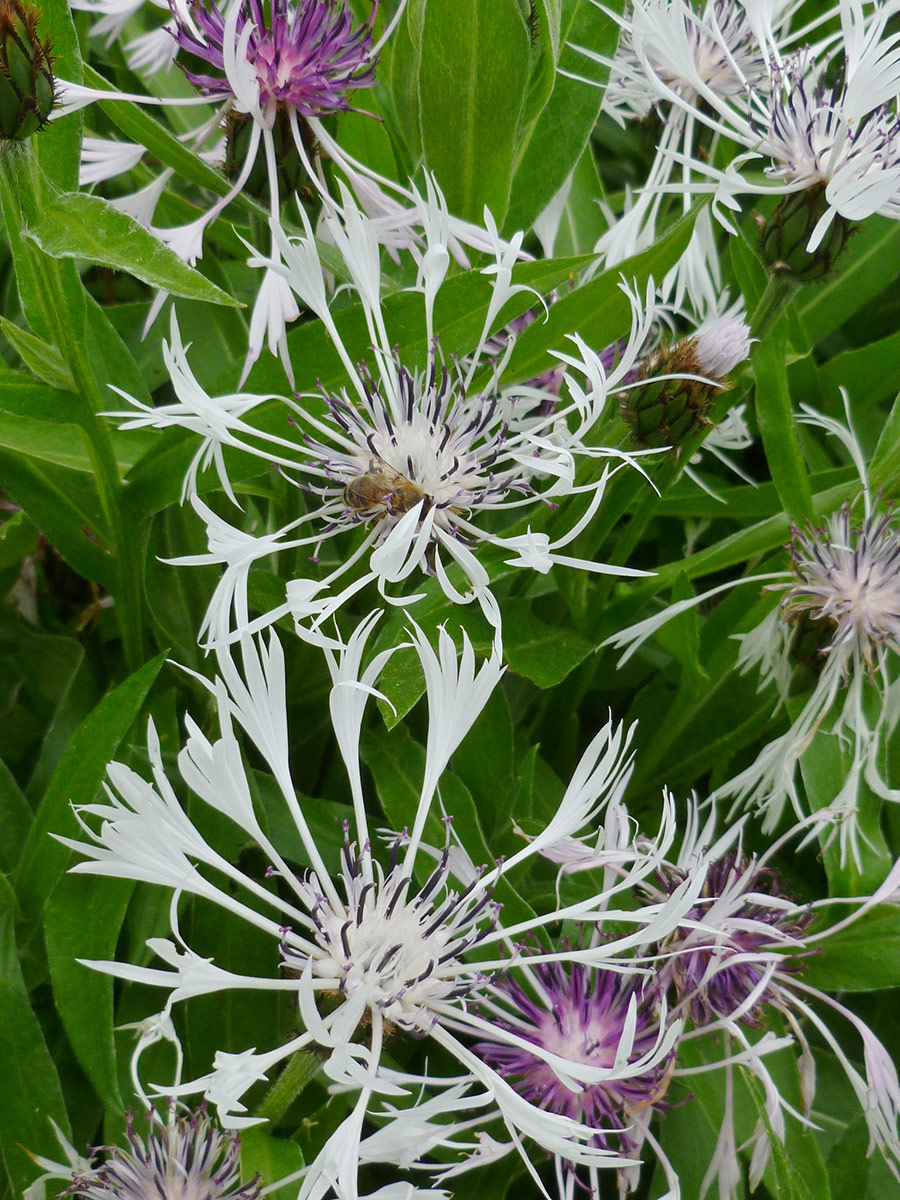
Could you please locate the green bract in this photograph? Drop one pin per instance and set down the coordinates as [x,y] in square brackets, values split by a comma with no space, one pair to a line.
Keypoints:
[26,80]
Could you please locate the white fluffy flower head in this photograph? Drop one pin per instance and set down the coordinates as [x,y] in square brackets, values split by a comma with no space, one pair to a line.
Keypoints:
[848,578]
[400,947]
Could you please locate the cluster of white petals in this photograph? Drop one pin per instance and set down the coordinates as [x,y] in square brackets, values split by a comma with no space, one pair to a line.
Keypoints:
[420,455]
[415,939]
[844,582]
[454,1014]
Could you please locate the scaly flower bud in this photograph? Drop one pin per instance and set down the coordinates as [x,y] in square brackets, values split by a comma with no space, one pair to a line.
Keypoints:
[26,82]
[666,411]
[787,231]
[289,165]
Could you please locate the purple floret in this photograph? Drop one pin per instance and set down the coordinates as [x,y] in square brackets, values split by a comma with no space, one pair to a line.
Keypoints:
[583,1019]
[307,56]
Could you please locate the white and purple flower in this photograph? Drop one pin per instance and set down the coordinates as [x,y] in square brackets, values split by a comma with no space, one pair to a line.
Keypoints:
[419,455]
[381,948]
[182,1156]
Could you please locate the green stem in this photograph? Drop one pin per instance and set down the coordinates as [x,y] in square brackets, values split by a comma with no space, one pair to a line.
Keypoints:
[301,1069]
[61,315]
[129,597]
[778,429]
[780,290]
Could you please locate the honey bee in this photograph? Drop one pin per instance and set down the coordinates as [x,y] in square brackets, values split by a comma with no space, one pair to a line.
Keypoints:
[382,491]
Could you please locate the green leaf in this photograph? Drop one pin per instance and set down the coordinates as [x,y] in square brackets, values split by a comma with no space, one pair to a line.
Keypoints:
[459,314]
[31,1095]
[58,443]
[46,288]
[848,1162]
[685,500]
[790,1184]
[112,361]
[884,469]
[826,766]
[599,310]
[681,635]
[23,397]
[867,267]
[18,537]
[229,1020]
[560,135]
[78,225]
[66,445]
[401,683]
[64,506]
[16,822]
[864,957]
[41,359]
[883,1183]
[398,764]
[868,372]
[82,920]
[778,428]
[474,57]
[688,1136]
[143,129]
[581,222]
[543,23]
[750,273]
[760,538]
[543,653]
[38,667]
[324,818]
[404,83]
[178,598]
[272,1158]
[59,146]
[76,781]
[484,761]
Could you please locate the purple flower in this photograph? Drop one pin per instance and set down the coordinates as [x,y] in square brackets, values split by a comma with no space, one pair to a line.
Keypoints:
[734,948]
[600,1017]
[306,58]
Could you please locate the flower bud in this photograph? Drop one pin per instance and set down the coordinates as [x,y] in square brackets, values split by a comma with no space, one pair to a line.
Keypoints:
[665,412]
[786,233]
[291,172]
[26,81]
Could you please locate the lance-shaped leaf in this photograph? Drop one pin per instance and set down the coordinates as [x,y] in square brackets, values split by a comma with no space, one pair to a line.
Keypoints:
[76,225]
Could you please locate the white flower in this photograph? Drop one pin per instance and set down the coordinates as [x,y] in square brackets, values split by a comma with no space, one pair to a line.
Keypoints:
[324,55]
[675,56]
[735,959]
[396,947]
[182,1157]
[419,455]
[740,954]
[102,159]
[844,584]
[837,137]
[75,1163]
[721,344]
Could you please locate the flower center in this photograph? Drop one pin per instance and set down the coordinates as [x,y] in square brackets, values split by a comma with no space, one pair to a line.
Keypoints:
[849,578]
[404,949]
[582,1017]
[306,56]
[430,445]
[750,922]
